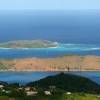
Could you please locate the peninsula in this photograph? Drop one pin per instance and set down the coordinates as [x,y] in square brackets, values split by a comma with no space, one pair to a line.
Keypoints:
[65,63]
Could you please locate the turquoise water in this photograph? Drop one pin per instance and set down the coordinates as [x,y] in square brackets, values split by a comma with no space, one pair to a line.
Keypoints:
[62,49]
[80,31]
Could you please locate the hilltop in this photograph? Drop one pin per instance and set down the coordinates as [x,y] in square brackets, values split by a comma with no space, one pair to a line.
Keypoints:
[67,82]
[58,87]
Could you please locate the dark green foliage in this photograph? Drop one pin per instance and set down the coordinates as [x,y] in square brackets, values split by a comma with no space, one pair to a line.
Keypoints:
[14,85]
[15,93]
[59,85]
[68,82]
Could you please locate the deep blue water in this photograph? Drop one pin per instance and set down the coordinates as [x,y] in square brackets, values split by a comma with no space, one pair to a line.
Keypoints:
[71,26]
[26,77]
[23,77]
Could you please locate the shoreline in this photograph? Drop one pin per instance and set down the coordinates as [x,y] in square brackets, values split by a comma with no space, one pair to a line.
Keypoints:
[49,71]
[57,64]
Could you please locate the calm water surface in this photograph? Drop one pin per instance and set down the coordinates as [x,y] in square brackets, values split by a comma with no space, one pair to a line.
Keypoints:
[25,77]
[63,27]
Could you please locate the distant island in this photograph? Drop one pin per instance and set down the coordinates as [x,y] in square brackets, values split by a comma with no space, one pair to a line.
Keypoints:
[28,44]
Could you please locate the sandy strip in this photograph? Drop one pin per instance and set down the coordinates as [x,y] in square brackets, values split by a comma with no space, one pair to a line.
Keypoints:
[66,63]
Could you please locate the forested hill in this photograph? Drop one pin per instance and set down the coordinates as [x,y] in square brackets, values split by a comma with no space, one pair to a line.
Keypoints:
[68,82]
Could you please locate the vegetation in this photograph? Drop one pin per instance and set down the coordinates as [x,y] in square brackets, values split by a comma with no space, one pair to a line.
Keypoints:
[58,87]
[68,82]
[28,44]
[74,96]
[3,66]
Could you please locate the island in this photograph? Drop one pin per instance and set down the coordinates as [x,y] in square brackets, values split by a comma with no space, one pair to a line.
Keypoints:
[28,44]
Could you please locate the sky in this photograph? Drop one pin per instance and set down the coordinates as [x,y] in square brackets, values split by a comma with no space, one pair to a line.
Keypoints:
[49,4]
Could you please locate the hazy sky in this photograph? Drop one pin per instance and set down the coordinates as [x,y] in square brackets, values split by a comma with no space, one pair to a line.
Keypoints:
[49,4]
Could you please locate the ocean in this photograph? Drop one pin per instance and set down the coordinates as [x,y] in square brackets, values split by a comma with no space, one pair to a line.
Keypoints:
[72,26]
[77,32]
[25,77]
[60,50]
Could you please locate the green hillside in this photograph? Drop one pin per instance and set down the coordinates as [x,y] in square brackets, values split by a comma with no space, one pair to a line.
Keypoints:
[68,82]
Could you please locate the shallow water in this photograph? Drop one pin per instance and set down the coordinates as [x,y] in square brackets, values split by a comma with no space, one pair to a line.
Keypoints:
[62,49]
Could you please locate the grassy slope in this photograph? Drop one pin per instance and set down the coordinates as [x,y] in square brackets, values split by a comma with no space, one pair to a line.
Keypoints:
[74,96]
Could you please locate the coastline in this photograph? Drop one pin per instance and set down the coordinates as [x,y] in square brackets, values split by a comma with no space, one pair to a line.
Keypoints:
[49,71]
[64,63]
